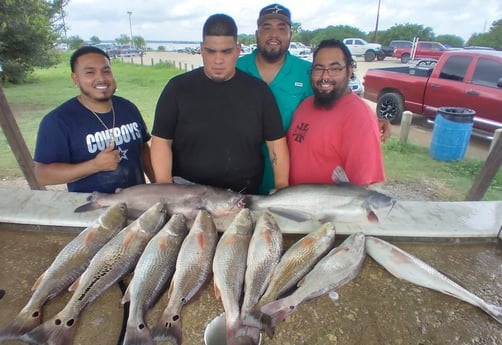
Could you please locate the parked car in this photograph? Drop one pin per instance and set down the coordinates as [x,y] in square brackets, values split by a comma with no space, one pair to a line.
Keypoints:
[127,50]
[359,47]
[469,79]
[422,50]
[355,84]
[299,49]
[389,50]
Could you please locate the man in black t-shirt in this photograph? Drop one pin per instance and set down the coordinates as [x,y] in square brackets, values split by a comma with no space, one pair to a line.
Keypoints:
[210,123]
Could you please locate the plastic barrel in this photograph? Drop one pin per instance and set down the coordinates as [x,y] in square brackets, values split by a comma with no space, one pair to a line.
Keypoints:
[451,133]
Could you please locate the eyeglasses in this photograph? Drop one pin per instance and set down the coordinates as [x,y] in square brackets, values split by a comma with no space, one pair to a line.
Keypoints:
[332,71]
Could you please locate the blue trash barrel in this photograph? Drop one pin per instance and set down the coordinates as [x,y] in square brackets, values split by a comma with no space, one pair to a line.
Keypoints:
[451,133]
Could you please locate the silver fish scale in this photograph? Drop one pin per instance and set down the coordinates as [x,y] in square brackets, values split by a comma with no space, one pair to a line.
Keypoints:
[229,264]
[265,250]
[156,265]
[338,267]
[298,260]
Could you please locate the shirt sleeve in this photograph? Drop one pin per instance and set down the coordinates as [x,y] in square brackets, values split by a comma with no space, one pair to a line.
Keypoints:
[166,112]
[52,141]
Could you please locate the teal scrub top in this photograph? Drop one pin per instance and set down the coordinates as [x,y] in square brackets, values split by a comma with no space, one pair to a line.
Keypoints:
[290,86]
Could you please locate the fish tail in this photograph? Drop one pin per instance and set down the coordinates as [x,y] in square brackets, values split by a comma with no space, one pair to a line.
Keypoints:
[23,323]
[252,319]
[169,329]
[53,332]
[247,335]
[494,311]
[138,334]
[274,313]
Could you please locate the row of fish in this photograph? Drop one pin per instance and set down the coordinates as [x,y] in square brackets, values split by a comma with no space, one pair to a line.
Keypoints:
[248,264]
[315,203]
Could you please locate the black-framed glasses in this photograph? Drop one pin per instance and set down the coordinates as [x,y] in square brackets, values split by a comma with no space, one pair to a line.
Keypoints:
[332,71]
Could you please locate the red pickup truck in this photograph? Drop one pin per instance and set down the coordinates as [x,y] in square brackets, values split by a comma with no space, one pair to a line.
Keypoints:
[461,78]
[422,50]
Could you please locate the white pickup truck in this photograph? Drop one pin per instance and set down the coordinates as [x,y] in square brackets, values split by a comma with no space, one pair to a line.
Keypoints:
[359,47]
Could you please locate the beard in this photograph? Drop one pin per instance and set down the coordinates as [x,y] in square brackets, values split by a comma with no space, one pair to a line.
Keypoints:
[271,55]
[326,100]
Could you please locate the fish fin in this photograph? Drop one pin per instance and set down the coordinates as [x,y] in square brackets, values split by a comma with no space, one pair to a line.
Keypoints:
[127,295]
[217,292]
[24,322]
[54,332]
[90,206]
[339,175]
[247,335]
[181,180]
[297,216]
[74,285]
[168,329]
[252,319]
[138,334]
[129,238]
[38,281]
[274,313]
[372,217]
[162,243]
[493,310]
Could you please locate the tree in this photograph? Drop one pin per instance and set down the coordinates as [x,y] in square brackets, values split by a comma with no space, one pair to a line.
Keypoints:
[450,40]
[75,42]
[492,38]
[338,32]
[139,42]
[27,37]
[95,40]
[123,39]
[406,31]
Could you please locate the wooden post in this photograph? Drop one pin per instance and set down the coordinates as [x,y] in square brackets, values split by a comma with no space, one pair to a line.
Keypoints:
[405,126]
[153,64]
[17,143]
[487,173]
[496,136]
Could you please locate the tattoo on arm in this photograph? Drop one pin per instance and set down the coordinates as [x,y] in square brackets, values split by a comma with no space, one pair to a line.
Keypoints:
[273,158]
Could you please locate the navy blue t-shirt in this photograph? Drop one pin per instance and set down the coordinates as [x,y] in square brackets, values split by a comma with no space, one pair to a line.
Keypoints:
[72,134]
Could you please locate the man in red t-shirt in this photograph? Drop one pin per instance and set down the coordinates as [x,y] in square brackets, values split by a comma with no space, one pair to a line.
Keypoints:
[334,127]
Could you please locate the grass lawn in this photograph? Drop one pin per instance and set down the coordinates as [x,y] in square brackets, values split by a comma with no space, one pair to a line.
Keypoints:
[404,163]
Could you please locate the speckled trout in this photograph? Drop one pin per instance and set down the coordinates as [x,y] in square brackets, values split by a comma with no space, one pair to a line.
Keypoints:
[265,250]
[186,199]
[193,268]
[293,265]
[408,267]
[335,269]
[153,271]
[68,265]
[229,268]
[111,262]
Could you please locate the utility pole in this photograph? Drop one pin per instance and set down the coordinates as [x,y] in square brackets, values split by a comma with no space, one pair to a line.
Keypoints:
[130,27]
[375,37]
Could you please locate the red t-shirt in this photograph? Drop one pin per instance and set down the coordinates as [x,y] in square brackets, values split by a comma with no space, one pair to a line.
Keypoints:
[346,135]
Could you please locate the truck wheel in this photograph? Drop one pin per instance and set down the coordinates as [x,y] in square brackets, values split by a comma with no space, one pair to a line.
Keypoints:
[390,106]
[380,56]
[369,56]
[405,58]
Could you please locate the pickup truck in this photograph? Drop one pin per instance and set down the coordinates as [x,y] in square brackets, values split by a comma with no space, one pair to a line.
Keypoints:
[461,78]
[359,47]
[423,50]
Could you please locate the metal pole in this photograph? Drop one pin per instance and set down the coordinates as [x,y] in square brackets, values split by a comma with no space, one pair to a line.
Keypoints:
[130,27]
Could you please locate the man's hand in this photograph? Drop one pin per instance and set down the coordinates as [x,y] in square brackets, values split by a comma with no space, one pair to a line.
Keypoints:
[385,129]
[108,159]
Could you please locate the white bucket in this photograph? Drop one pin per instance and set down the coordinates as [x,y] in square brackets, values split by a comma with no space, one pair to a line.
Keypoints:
[215,333]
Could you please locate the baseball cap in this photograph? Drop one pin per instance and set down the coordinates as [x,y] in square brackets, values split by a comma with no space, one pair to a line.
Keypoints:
[274,11]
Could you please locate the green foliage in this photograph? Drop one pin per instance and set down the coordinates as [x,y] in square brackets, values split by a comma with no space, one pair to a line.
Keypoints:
[450,40]
[94,40]
[139,42]
[493,38]
[246,39]
[26,38]
[75,42]
[405,32]
[123,39]
[337,32]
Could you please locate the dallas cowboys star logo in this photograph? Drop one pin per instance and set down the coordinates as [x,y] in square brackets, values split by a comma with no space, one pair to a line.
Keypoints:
[123,154]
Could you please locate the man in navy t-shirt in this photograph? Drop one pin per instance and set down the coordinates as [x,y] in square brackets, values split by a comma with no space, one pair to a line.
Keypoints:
[95,141]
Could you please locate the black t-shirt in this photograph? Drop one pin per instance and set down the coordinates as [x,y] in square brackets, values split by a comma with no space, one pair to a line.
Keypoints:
[218,128]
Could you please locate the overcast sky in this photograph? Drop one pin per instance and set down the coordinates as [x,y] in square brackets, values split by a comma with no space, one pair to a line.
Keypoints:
[182,20]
